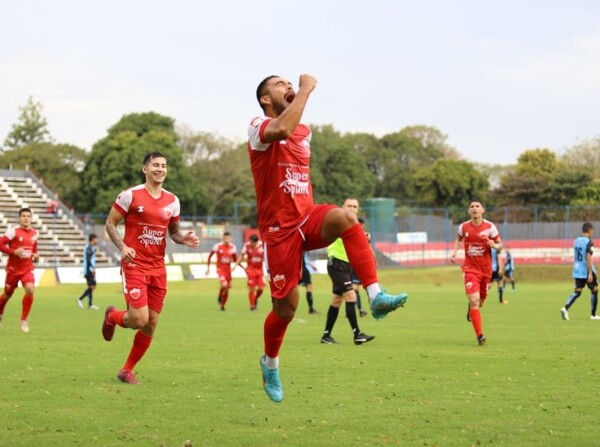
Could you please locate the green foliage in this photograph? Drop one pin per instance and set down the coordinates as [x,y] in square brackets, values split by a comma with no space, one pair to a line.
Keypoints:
[449,182]
[30,128]
[338,170]
[59,166]
[403,154]
[422,381]
[539,178]
[115,162]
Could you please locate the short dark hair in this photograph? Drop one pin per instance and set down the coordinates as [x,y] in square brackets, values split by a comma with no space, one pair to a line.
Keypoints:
[586,227]
[152,155]
[253,238]
[92,236]
[24,210]
[227,233]
[475,199]
[260,90]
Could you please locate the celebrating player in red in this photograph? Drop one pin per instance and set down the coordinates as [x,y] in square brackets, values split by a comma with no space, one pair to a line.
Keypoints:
[479,236]
[290,222]
[226,253]
[149,212]
[254,254]
[20,243]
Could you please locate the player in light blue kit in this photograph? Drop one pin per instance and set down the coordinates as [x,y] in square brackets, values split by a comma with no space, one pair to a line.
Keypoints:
[584,272]
[498,273]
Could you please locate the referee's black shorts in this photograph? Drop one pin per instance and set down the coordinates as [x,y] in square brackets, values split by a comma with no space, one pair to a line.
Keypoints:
[340,273]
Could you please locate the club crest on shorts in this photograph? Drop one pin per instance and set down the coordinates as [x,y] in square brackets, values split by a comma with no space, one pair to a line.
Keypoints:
[279,281]
[469,285]
[135,294]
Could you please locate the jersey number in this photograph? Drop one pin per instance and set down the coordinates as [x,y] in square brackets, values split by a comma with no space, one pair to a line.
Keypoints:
[578,254]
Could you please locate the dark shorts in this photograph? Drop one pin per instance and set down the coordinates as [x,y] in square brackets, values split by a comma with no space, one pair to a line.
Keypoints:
[340,273]
[496,276]
[580,283]
[306,277]
[90,278]
[508,273]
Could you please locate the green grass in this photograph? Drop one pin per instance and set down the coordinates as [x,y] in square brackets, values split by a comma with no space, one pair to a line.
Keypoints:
[423,380]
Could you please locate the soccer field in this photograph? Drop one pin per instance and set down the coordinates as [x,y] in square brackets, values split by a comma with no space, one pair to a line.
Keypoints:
[422,381]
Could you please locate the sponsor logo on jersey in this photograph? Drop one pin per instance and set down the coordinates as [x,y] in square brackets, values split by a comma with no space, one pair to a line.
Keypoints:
[151,237]
[141,209]
[475,250]
[295,182]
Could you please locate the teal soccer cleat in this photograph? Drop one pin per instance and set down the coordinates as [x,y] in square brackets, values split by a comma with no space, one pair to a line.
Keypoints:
[271,382]
[383,304]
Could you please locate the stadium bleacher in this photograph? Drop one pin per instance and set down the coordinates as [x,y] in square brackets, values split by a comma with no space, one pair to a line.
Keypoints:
[62,235]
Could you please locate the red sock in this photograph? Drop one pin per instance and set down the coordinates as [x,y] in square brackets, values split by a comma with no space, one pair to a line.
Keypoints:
[117,316]
[360,254]
[3,301]
[274,331]
[252,298]
[27,303]
[475,316]
[141,343]
[224,297]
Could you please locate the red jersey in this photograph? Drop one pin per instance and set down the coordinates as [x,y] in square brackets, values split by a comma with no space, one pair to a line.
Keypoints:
[254,255]
[281,179]
[18,237]
[478,254]
[146,226]
[226,254]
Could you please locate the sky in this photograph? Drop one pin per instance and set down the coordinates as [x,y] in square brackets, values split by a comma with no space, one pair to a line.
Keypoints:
[497,78]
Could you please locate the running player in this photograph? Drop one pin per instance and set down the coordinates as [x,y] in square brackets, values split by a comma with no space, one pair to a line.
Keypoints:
[20,243]
[150,213]
[584,272]
[89,271]
[226,253]
[479,236]
[254,254]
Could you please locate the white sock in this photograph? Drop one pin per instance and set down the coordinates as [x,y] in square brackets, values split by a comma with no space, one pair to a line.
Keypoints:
[271,362]
[373,290]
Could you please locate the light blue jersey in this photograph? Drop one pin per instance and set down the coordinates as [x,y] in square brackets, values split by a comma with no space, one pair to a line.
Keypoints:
[89,258]
[494,260]
[581,247]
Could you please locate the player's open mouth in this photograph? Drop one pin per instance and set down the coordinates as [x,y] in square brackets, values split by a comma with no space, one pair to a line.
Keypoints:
[289,97]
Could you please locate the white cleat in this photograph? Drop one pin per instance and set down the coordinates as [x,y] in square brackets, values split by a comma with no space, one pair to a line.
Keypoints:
[24,326]
[79,303]
[595,317]
[94,307]
[565,314]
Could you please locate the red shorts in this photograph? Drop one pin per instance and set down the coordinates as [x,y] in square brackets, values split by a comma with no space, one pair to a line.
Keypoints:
[255,277]
[224,275]
[284,259]
[475,282]
[12,280]
[144,290]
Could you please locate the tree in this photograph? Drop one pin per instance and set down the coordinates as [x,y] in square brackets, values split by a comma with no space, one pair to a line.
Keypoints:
[402,154]
[338,170]
[585,156]
[30,128]
[59,165]
[115,162]
[447,183]
[539,178]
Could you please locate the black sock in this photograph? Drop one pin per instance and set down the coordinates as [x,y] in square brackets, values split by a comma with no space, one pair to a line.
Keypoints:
[90,297]
[500,290]
[83,295]
[351,314]
[594,303]
[309,299]
[332,315]
[358,303]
